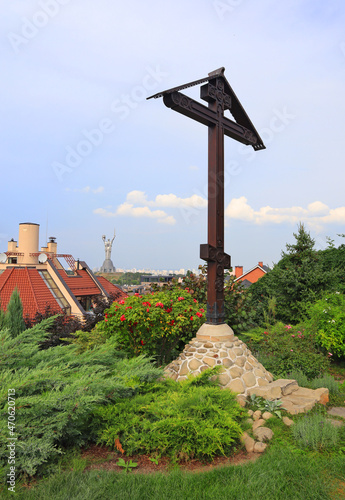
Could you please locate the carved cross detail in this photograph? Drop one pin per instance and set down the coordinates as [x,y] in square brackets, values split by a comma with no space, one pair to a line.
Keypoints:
[220,97]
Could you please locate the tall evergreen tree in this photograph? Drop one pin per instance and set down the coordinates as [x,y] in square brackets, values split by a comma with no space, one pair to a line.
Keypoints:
[299,277]
[14,320]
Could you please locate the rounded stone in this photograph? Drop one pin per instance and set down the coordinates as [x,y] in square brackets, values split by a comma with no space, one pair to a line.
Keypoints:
[198,356]
[232,355]
[259,447]
[266,415]
[223,354]
[257,415]
[235,371]
[236,386]
[181,378]
[214,350]
[188,354]
[173,376]
[203,368]
[223,378]
[248,366]
[238,351]
[229,345]
[209,361]
[218,344]
[184,368]
[262,382]
[227,363]
[202,350]
[194,364]
[258,372]
[240,361]
[258,423]
[208,345]
[249,379]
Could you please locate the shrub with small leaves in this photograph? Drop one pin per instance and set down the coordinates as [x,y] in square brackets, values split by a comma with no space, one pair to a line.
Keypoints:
[327,321]
[154,324]
[284,348]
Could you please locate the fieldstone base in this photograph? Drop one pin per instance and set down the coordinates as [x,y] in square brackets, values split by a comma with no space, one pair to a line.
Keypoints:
[294,399]
[240,370]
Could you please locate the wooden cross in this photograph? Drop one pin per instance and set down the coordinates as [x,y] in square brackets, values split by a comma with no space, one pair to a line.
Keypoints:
[220,97]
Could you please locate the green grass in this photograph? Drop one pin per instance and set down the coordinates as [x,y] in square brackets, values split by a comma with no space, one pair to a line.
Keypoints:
[278,474]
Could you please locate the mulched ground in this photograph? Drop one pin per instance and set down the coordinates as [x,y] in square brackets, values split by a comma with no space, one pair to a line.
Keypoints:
[100,457]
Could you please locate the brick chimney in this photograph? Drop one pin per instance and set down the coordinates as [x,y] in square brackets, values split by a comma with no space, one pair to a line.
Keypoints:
[261,264]
[238,271]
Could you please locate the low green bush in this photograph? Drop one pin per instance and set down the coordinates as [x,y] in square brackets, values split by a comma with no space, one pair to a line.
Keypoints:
[315,431]
[182,420]
[55,391]
[285,348]
[327,321]
[154,324]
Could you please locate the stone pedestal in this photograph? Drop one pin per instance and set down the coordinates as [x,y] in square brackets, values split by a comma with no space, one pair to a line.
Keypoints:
[216,345]
[108,267]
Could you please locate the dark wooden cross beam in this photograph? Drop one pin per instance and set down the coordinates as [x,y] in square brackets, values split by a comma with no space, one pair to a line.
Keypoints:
[220,97]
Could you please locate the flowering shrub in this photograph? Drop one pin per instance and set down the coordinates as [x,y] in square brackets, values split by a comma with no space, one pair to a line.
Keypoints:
[327,321]
[284,348]
[154,324]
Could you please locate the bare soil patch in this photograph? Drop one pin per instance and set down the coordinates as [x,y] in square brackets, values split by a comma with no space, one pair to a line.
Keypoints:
[101,457]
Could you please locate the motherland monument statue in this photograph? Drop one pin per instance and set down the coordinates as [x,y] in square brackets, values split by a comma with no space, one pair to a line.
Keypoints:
[108,266]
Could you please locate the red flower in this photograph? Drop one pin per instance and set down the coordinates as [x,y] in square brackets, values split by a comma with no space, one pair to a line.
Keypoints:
[136,294]
[147,310]
[129,307]
[105,319]
[159,304]
[180,298]
[142,343]
[202,310]
[191,318]
[123,318]
[106,315]
[195,300]
[122,302]
[172,322]
[199,315]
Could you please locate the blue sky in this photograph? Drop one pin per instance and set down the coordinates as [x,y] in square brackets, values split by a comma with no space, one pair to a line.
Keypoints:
[83,151]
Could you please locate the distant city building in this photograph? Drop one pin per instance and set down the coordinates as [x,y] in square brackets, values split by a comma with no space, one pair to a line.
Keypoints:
[43,281]
[159,279]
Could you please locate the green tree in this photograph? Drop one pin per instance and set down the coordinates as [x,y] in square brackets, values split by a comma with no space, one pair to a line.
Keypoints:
[299,278]
[13,319]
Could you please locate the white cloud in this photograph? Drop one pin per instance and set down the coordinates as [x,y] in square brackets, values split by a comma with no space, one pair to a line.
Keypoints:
[316,214]
[145,206]
[129,210]
[166,200]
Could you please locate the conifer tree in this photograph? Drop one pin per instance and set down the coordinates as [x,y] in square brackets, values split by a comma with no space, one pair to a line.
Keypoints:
[13,319]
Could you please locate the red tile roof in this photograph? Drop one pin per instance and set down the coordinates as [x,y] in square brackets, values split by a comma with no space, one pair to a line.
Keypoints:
[34,293]
[111,289]
[81,284]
